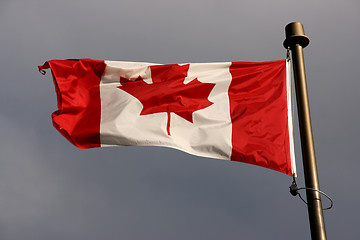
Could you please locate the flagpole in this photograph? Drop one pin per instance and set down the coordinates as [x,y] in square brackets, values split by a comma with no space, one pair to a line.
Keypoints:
[296,40]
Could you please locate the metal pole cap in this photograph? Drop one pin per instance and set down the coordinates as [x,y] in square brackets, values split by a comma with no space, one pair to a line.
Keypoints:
[295,35]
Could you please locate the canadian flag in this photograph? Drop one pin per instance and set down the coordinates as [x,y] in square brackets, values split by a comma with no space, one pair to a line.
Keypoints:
[238,111]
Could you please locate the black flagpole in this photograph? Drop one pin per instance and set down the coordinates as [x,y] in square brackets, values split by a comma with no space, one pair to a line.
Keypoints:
[296,41]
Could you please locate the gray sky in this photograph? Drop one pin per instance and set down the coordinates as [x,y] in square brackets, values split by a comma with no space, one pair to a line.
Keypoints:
[51,190]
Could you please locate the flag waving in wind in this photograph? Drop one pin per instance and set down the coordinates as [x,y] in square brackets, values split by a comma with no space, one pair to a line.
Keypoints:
[237,111]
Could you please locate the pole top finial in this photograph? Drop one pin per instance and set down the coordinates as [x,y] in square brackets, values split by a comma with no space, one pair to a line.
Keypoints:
[295,35]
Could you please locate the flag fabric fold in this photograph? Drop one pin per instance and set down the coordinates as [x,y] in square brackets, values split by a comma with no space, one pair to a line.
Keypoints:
[239,111]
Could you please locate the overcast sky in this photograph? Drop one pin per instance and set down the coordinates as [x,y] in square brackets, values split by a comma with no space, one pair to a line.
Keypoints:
[49,189]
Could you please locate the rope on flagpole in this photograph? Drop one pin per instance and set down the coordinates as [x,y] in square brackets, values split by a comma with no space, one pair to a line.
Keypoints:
[288,53]
[294,190]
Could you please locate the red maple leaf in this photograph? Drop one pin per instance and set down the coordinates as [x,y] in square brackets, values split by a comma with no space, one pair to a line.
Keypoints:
[168,93]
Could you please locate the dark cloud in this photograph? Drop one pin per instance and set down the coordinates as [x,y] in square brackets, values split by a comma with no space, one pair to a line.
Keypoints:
[51,190]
